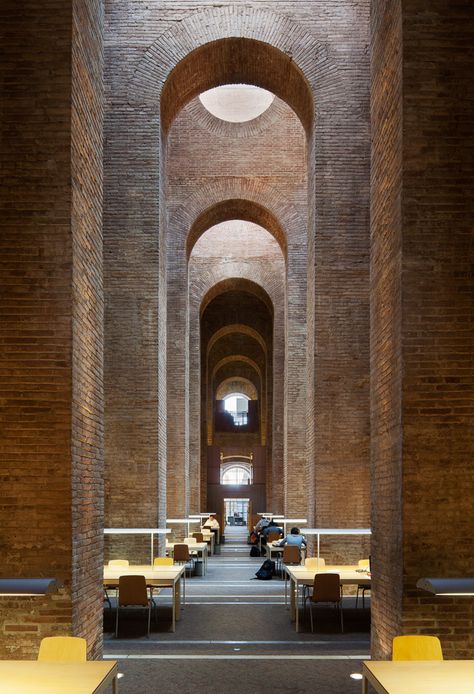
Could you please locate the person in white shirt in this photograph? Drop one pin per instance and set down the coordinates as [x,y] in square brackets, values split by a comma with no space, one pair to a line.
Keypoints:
[212,522]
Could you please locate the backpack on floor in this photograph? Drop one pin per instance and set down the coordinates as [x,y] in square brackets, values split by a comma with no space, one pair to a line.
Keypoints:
[254,551]
[266,571]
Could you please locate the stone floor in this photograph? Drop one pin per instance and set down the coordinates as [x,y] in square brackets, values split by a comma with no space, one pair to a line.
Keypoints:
[235,637]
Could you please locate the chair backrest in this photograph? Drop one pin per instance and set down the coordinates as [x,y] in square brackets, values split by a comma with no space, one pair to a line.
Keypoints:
[199,537]
[364,563]
[326,588]
[291,554]
[271,537]
[314,563]
[132,591]
[66,649]
[119,562]
[416,647]
[163,561]
[181,553]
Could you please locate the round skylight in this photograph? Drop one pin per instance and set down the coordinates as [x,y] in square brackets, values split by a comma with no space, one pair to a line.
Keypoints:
[236,103]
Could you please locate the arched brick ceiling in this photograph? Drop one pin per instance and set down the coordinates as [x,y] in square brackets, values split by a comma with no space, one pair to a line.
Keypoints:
[236,359]
[237,284]
[237,343]
[237,328]
[246,210]
[235,384]
[237,61]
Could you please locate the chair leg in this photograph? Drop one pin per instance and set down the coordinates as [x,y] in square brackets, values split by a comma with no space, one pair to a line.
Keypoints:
[342,620]
[311,614]
[149,618]
[357,596]
[116,620]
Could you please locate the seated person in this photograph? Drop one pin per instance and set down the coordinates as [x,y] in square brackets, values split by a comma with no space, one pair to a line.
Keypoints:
[213,525]
[262,523]
[272,527]
[294,538]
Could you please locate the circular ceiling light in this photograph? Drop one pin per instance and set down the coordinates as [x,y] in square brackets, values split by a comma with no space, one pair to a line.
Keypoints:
[236,103]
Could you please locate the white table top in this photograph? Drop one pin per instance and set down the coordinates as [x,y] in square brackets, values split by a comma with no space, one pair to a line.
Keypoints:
[192,545]
[39,677]
[416,676]
[348,574]
[151,573]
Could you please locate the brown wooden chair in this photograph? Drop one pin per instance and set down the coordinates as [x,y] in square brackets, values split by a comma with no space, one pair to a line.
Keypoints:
[291,556]
[326,588]
[199,537]
[271,537]
[132,592]
[181,555]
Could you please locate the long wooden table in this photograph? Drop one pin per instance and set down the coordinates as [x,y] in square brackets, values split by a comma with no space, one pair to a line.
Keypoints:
[40,677]
[200,548]
[156,577]
[417,676]
[304,576]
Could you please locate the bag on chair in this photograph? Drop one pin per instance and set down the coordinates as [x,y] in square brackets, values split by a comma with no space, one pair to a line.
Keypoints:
[266,571]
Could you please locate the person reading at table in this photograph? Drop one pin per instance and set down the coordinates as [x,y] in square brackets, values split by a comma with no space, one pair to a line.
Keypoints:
[213,525]
[272,527]
[294,538]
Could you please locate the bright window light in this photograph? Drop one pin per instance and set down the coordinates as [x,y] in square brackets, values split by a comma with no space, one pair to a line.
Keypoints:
[236,103]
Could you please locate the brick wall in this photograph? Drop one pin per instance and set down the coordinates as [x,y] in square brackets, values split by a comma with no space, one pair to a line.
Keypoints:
[51,407]
[386,351]
[423,451]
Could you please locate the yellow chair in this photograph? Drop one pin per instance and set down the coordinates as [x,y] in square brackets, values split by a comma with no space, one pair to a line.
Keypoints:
[314,563]
[119,562]
[163,561]
[65,649]
[416,648]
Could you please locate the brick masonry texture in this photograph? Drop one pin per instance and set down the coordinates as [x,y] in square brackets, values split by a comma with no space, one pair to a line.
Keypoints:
[357,341]
[302,172]
[51,327]
[422,318]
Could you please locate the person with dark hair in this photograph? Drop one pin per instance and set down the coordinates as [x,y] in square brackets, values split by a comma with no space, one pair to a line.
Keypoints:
[294,538]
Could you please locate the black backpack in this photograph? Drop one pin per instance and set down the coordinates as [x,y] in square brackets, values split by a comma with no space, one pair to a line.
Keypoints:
[254,551]
[266,571]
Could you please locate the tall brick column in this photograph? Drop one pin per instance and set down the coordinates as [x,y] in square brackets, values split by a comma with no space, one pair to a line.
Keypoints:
[422,318]
[51,409]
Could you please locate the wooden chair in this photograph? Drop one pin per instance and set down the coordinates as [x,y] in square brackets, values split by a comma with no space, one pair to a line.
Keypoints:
[363,564]
[414,647]
[326,588]
[182,556]
[199,537]
[132,592]
[114,562]
[64,649]
[271,537]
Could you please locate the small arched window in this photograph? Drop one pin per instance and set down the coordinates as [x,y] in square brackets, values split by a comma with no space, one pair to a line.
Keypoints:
[236,473]
[237,404]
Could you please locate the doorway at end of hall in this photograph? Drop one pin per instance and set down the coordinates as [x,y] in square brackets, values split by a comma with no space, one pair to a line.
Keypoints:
[236,511]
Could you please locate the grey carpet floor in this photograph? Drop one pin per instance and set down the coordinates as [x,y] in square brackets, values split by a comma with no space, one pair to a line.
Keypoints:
[235,637]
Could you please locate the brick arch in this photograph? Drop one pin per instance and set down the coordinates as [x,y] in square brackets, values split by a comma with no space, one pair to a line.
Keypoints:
[237,328]
[232,383]
[237,284]
[305,60]
[204,119]
[236,208]
[237,60]
[242,358]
